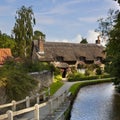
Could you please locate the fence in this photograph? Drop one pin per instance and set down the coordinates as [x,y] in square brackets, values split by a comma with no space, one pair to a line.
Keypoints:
[38,111]
[28,101]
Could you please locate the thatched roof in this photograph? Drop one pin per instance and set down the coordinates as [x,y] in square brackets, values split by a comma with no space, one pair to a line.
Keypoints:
[70,51]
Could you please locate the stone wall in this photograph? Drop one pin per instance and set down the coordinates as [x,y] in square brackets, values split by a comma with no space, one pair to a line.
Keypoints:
[45,78]
[3,96]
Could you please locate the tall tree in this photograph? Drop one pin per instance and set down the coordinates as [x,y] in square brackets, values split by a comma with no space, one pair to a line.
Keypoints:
[23,31]
[113,49]
[106,24]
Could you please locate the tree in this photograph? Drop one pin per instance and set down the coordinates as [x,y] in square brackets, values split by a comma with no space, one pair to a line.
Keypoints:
[113,49]
[84,41]
[37,34]
[23,31]
[106,24]
[7,41]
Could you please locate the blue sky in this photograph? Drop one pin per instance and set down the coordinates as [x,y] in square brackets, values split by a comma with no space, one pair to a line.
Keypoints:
[60,20]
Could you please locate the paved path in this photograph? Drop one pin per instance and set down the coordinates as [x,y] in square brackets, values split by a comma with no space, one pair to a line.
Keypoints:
[65,87]
[45,110]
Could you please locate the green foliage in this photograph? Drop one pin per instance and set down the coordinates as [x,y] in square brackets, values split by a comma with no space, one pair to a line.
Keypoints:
[98,71]
[84,41]
[37,34]
[18,83]
[7,42]
[30,66]
[113,48]
[75,88]
[23,31]
[105,25]
[55,86]
[81,77]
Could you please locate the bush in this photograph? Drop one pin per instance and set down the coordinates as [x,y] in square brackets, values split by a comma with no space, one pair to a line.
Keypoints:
[19,85]
[17,82]
[98,71]
[30,66]
[80,77]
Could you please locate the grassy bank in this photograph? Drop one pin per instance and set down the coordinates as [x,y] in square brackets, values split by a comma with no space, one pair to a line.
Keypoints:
[75,88]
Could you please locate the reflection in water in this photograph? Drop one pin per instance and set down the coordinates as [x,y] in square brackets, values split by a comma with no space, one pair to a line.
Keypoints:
[97,102]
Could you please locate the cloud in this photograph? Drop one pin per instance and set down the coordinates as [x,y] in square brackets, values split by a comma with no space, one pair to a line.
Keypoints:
[44,20]
[76,39]
[62,8]
[88,19]
[92,36]
[57,40]
[113,4]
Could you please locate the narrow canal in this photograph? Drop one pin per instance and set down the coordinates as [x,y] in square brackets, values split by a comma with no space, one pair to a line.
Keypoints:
[97,102]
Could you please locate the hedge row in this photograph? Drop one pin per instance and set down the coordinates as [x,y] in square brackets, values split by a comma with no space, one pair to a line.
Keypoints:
[78,77]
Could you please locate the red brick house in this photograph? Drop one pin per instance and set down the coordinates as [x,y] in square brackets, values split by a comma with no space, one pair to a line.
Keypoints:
[4,54]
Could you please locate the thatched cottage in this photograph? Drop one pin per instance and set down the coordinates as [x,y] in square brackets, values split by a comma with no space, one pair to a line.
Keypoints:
[64,55]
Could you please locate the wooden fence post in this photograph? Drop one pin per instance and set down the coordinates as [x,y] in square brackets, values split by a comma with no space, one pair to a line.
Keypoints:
[50,106]
[49,92]
[36,112]
[10,115]
[38,98]
[44,96]
[14,105]
[58,102]
[27,101]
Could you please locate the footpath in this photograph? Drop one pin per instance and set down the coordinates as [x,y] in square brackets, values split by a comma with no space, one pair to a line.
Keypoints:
[44,111]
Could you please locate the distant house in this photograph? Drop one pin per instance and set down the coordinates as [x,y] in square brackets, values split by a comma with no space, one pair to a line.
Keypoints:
[5,53]
[64,55]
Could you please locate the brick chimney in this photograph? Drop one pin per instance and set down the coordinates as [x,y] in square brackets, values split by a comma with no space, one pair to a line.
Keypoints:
[41,45]
[98,41]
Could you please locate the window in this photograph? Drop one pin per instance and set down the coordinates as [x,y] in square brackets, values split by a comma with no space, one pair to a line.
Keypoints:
[81,58]
[59,58]
[98,58]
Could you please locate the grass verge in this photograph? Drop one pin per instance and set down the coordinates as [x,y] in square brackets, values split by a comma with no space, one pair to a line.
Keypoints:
[75,88]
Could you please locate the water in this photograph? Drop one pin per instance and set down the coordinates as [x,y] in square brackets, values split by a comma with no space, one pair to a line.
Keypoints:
[97,102]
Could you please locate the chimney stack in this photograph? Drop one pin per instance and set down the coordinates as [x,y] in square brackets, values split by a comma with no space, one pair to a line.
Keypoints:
[41,45]
[98,41]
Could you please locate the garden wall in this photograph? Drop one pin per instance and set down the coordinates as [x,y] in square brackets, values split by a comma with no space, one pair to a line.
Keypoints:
[45,78]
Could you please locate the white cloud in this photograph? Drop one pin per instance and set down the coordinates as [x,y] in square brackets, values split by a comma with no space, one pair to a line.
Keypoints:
[46,20]
[113,4]
[92,36]
[77,39]
[88,19]
[57,40]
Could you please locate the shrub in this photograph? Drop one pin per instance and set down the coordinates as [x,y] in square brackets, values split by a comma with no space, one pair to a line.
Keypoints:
[98,71]
[17,82]
[80,77]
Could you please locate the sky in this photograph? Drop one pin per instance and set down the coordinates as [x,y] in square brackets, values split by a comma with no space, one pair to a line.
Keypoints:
[59,20]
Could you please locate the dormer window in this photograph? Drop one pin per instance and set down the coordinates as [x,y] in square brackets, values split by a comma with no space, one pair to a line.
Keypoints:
[82,58]
[59,58]
[98,58]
